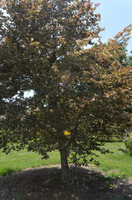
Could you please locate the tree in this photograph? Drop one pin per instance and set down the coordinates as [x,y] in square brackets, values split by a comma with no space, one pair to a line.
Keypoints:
[130,59]
[124,59]
[42,49]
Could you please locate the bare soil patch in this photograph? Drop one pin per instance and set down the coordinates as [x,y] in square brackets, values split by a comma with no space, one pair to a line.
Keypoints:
[44,183]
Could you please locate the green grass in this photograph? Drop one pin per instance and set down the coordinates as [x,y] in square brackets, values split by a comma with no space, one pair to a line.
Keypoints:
[117,164]
[16,161]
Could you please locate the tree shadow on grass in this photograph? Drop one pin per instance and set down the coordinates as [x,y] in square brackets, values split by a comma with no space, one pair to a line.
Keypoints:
[45,184]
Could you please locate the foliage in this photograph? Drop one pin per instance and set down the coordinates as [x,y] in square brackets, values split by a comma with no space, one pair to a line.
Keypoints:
[130,59]
[42,49]
[128,144]
[125,59]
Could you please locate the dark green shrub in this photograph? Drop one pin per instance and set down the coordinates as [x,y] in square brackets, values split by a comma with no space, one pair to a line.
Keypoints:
[128,144]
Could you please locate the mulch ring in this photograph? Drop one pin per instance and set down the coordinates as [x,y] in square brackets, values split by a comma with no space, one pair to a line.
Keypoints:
[44,183]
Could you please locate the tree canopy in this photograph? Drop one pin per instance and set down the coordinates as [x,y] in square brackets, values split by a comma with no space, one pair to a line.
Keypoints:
[81,95]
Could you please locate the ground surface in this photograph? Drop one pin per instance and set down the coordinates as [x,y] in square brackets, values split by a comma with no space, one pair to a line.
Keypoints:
[44,184]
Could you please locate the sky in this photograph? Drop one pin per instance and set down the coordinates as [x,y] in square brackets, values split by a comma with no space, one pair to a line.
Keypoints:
[115,16]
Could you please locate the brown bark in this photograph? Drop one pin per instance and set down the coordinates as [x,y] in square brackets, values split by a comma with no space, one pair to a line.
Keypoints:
[64,165]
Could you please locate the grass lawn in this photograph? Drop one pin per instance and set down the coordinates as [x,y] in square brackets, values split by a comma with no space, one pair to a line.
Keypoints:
[16,161]
[116,164]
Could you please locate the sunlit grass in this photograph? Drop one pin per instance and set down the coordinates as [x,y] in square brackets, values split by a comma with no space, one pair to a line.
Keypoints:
[116,164]
[16,161]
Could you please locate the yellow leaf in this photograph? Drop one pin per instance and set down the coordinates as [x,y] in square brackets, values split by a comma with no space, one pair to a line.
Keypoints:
[66,133]
[32,39]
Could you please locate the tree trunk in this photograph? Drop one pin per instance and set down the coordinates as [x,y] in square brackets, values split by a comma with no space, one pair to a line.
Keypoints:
[64,165]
